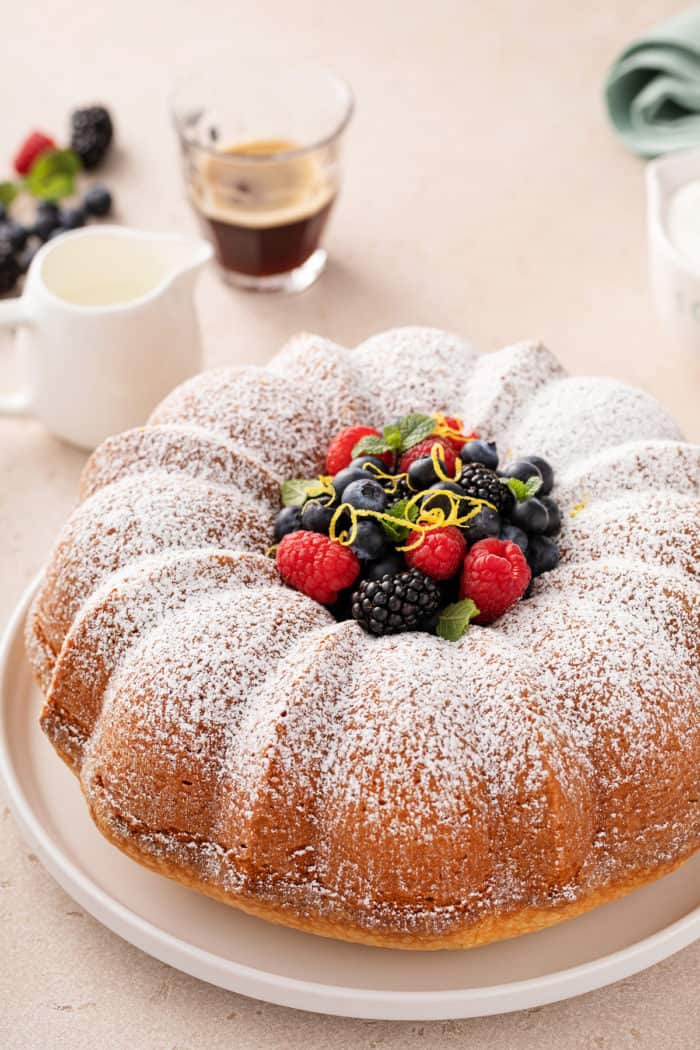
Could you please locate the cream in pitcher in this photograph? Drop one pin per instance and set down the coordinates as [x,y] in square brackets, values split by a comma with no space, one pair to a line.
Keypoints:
[106,327]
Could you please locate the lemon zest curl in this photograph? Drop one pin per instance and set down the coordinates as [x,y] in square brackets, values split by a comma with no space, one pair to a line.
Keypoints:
[429,518]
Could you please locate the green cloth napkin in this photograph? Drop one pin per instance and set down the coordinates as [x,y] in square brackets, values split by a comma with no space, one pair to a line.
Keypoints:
[653,89]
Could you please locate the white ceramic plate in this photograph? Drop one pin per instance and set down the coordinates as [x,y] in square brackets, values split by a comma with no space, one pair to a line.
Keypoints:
[235,951]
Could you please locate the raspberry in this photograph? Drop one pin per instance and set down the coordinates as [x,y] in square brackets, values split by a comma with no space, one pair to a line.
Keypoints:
[424,448]
[495,576]
[339,453]
[30,149]
[316,565]
[440,554]
[457,443]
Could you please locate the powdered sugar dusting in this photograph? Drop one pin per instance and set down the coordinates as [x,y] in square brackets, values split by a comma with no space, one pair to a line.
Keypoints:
[579,416]
[404,785]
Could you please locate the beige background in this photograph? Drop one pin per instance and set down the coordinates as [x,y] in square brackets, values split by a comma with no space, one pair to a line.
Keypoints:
[484,194]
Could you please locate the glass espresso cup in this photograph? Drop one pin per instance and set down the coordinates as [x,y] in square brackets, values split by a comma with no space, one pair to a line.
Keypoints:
[260,147]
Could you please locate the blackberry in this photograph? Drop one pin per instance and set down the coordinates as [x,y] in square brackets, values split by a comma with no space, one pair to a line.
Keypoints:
[481,482]
[405,602]
[402,491]
[91,134]
[9,267]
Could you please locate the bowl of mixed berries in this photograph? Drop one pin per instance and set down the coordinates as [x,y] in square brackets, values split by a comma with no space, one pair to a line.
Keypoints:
[418,527]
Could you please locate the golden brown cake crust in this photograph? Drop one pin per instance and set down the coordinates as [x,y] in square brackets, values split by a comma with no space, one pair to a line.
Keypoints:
[404,792]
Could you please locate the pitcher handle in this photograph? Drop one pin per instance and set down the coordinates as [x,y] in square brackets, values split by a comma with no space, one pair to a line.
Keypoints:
[15,312]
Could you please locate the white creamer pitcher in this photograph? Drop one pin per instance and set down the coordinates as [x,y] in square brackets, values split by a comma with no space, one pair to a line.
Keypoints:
[106,327]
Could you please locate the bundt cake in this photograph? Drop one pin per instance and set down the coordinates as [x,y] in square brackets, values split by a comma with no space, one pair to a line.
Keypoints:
[403,791]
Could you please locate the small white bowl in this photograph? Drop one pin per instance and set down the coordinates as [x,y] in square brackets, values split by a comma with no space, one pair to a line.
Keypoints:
[675,282]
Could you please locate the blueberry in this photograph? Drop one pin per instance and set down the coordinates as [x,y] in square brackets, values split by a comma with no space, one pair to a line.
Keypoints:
[345,477]
[48,210]
[553,516]
[546,472]
[421,474]
[479,451]
[15,234]
[58,232]
[516,536]
[3,212]
[370,542]
[288,520]
[98,201]
[316,517]
[44,226]
[522,469]
[361,460]
[365,495]
[72,218]
[484,524]
[530,515]
[542,555]
[443,502]
[390,565]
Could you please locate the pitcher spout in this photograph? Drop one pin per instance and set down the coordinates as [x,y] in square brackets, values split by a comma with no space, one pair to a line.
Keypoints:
[186,256]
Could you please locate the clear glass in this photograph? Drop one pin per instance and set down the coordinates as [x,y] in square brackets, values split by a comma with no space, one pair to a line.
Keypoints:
[260,146]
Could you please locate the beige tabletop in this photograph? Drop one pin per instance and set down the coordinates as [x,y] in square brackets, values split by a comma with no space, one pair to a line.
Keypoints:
[484,194]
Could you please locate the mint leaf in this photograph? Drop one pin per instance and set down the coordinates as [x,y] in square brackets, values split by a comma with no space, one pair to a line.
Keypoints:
[370,446]
[455,619]
[523,490]
[396,531]
[52,175]
[295,491]
[516,486]
[8,192]
[414,428]
[393,436]
[533,486]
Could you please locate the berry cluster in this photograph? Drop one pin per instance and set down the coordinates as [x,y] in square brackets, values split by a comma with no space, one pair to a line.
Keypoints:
[48,173]
[417,528]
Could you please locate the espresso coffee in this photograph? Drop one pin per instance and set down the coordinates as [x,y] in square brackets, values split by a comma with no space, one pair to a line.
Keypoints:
[264,205]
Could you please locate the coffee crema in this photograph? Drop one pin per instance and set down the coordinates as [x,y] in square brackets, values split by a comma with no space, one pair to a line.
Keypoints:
[265,204]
